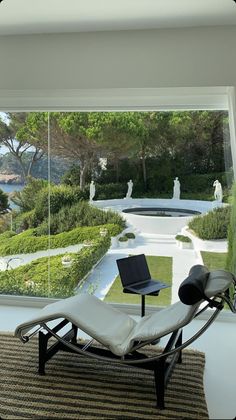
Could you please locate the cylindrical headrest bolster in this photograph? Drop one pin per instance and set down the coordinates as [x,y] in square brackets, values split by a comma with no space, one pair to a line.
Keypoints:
[192,289]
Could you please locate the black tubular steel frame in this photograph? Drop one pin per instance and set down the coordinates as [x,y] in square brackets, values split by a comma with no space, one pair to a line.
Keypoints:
[161,364]
[162,368]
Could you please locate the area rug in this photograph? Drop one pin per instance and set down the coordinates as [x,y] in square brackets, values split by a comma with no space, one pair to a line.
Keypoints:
[80,388]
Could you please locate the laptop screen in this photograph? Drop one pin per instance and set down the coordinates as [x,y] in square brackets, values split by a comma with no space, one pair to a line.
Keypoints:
[133,269]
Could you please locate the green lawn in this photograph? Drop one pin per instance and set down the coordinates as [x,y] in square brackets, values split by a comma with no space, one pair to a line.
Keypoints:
[160,269]
[214,260]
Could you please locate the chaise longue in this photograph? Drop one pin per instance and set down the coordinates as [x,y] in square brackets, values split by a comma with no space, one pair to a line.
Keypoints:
[121,337]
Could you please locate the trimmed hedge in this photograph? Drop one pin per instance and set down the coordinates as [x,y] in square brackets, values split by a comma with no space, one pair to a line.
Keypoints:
[213,225]
[231,256]
[183,238]
[28,242]
[32,279]
[110,191]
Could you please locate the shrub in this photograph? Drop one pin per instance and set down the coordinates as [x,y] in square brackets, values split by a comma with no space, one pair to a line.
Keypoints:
[231,256]
[79,214]
[28,241]
[6,235]
[60,196]
[110,191]
[3,201]
[123,239]
[213,225]
[24,221]
[32,279]
[202,182]
[183,238]
[130,235]
[27,198]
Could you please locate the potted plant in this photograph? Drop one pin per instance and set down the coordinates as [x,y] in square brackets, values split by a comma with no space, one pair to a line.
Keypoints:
[66,260]
[103,232]
[131,237]
[123,241]
[183,241]
[88,242]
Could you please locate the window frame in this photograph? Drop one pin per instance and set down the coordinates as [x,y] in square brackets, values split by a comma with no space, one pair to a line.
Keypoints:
[119,100]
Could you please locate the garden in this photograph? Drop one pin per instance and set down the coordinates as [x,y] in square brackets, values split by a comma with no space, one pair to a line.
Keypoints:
[51,211]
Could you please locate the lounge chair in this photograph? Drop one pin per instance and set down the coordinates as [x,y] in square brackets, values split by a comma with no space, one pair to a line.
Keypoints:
[121,336]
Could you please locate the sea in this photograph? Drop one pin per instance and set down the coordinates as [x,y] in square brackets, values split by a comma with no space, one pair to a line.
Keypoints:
[8,188]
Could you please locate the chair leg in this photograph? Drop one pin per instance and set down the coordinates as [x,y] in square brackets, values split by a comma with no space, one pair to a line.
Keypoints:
[178,343]
[42,352]
[159,374]
[75,330]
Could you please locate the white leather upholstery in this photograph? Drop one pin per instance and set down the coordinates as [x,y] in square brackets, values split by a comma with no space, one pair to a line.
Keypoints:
[218,281]
[116,330]
[107,325]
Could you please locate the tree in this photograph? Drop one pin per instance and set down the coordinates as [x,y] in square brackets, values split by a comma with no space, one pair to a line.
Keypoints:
[3,202]
[198,140]
[22,133]
[71,138]
[111,130]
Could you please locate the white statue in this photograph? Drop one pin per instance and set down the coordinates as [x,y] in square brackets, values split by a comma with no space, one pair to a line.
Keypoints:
[176,189]
[218,193]
[91,191]
[130,188]
[103,163]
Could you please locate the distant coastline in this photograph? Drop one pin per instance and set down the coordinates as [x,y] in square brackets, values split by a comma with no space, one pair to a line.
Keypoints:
[10,179]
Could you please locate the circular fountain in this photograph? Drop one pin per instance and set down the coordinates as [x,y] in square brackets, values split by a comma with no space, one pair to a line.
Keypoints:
[158,216]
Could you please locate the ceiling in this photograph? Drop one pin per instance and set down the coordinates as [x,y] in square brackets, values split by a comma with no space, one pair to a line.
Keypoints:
[53,16]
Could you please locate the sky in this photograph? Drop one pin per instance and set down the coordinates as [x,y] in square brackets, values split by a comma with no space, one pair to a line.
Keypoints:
[4,149]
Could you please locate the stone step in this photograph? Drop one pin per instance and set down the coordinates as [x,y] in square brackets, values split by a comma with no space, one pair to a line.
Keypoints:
[159,239]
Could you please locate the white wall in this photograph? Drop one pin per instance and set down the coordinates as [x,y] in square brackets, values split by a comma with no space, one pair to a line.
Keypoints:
[149,58]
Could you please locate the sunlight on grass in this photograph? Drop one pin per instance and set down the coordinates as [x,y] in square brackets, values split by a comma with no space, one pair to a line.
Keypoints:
[160,269]
[214,260]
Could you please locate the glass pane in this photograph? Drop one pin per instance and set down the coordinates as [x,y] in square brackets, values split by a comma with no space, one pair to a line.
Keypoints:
[103,186]
[24,177]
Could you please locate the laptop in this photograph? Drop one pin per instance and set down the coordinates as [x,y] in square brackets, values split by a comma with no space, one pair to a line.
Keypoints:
[135,276]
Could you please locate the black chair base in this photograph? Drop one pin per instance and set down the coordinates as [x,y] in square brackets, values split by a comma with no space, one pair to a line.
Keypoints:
[161,368]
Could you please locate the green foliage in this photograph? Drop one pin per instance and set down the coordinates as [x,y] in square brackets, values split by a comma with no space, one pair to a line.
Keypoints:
[72,176]
[110,191]
[231,257]
[25,220]
[27,198]
[130,235]
[88,257]
[213,225]
[160,184]
[6,235]
[79,214]
[3,201]
[123,238]
[28,241]
[196,183]
[60,196]
[32,279]
[183,238]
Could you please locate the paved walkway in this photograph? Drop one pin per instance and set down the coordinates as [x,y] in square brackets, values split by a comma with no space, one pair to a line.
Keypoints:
[106,271]
[104,274]
[14,261]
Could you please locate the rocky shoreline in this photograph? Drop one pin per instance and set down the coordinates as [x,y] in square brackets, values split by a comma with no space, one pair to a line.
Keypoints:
[10,179]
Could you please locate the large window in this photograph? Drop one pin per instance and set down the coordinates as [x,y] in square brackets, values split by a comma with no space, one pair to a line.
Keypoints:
[57,239]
